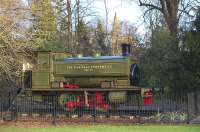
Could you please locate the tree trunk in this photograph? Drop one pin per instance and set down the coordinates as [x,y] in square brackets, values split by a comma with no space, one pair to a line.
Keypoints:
[69,27]
[169,9]
[77,25]
[170,12]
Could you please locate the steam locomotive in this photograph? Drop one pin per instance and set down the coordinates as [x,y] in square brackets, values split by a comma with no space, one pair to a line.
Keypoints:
[58,73]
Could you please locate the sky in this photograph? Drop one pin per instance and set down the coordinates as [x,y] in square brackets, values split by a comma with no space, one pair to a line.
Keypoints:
[125,10]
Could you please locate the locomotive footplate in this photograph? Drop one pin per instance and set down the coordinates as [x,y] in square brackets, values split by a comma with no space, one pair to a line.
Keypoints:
[133,89]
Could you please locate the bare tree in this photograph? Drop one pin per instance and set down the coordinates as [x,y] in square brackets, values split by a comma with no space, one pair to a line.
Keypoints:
[14,43]
[172,10]
[107,34]
[13,37]
[72,14]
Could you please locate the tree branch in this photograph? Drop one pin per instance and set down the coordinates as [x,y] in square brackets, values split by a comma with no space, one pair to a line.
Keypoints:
[150,5]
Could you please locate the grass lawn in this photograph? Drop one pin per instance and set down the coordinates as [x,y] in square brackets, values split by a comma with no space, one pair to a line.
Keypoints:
[107,128]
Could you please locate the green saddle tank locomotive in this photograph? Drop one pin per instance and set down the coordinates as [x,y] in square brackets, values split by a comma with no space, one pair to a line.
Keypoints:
[60,74]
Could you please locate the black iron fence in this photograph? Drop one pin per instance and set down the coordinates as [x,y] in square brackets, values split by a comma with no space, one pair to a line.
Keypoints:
[96,108]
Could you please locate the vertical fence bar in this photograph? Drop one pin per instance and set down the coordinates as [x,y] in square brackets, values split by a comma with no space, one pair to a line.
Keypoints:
[16,109]
[9,100]
[15,102]
[54,109]
[94,107]
[188,113]
[109,109]
[1,108]
[139,112]
[12,110]
[32,107]
[29,107]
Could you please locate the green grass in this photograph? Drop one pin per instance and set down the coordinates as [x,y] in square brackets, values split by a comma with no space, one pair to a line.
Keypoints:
[106,128]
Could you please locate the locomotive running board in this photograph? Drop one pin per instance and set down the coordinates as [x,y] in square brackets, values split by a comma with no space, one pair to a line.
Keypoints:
[86,89]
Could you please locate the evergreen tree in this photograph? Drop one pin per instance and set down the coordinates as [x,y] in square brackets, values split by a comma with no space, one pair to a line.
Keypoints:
[100,36]
[177,69]
[44,25]
[191,56]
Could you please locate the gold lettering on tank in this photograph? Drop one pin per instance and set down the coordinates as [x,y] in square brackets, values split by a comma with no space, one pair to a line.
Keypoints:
[89,68]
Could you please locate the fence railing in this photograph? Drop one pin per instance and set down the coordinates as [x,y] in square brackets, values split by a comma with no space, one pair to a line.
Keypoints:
[96,108]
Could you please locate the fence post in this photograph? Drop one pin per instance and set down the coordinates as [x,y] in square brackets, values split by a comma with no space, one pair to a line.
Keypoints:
[54,109]
[13,110]
[1,109]
[139,120]
[188,113]
[94,107]
[162,102]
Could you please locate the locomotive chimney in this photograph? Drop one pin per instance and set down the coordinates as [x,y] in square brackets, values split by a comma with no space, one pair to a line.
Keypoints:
[126,49]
